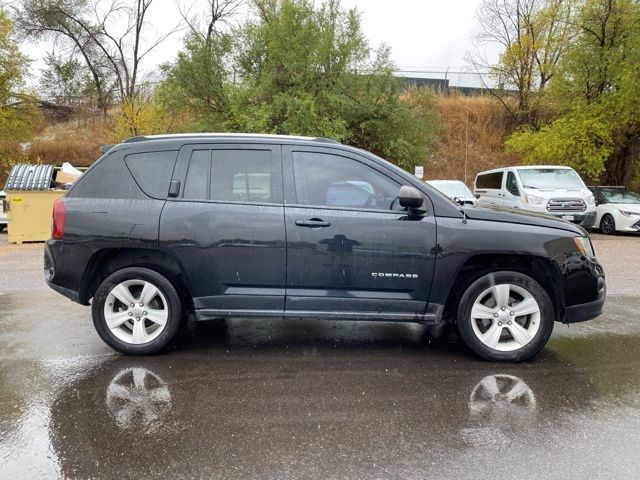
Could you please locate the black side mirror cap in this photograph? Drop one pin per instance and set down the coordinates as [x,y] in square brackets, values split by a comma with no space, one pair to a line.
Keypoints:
[410,198]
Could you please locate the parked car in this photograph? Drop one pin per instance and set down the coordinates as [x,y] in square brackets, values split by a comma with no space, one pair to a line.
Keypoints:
[618,209]
[273,226]
[455,190]
[3,213]
[557,191]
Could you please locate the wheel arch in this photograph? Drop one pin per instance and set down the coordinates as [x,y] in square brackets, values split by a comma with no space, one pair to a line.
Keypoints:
[109,260]
[543,270]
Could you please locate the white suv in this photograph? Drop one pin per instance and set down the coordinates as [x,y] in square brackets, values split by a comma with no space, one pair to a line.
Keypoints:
[552,190]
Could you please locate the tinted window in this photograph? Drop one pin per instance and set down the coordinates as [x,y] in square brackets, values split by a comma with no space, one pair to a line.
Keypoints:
[489,180]
[197,182]
[331,180]
[108,178]
[152,171]
[241,175]
[230,176]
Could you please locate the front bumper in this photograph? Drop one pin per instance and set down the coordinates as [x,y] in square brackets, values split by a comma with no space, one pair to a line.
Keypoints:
[585,220]
[627,224]
[587,311]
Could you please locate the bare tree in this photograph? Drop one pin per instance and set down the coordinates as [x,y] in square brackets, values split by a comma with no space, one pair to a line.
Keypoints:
[531,36]
[206,24]
[107,35]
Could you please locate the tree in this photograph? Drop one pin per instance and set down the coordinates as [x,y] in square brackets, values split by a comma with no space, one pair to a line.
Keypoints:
[300,68]
[531,36]
[108,36]
[596,88]
[17,109]
[63,80]
[201,77]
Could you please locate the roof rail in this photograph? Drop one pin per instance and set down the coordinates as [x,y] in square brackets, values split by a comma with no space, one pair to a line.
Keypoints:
[145,138]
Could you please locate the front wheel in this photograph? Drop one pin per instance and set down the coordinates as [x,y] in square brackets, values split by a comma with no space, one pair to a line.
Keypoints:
[137,311]
[608,224]
[505,316]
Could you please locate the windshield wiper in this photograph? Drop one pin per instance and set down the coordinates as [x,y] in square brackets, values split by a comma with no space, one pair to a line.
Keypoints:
[530,186]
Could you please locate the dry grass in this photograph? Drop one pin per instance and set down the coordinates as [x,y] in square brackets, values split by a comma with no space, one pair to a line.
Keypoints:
[473,139]
[69,142]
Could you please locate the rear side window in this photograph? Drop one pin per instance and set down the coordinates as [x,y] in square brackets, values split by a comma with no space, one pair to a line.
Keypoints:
[230,175]
[489,180]
[152,171]
[108,178]
[241,175]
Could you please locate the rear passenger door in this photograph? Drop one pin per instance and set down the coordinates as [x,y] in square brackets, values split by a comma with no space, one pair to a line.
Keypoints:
[226,227]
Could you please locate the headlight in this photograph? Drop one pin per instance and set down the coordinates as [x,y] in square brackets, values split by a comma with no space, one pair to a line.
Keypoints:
[584,245]
[591,200]
[533,200]
[627,213]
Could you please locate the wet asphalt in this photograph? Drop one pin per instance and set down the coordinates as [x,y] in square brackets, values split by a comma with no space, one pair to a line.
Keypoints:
[314,399]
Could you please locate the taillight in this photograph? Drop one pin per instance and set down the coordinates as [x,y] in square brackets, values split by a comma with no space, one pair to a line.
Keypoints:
[57,220]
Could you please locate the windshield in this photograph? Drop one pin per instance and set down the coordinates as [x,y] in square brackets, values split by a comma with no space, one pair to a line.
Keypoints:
[452,189]
[549,178]
[620,196]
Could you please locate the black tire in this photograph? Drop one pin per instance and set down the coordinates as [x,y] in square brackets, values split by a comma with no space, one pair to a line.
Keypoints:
[471,294]
[607,224]
[174,307]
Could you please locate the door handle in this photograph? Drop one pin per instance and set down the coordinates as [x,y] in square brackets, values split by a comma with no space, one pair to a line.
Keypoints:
[313,223]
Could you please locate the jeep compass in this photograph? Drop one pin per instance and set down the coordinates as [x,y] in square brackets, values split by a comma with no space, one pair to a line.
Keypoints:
[224,225]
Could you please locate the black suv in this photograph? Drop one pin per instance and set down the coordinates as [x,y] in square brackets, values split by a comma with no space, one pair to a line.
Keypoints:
[229,225]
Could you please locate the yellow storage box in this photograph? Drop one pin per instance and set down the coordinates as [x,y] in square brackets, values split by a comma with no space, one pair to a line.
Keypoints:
[29,214]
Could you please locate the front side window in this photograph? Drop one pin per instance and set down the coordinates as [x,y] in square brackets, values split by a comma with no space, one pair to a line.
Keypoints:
[512,184]
[329,180]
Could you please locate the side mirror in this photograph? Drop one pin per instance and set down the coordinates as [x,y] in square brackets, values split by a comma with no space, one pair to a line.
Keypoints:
[477,195]
[411,199]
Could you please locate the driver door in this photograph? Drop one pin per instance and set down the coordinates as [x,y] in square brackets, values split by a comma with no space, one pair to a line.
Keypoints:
[350,246]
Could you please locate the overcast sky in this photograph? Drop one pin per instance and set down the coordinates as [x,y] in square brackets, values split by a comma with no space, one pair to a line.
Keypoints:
[422,34]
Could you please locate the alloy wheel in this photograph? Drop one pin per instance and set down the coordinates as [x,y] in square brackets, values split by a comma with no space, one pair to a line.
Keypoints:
[505,317]
[607,225]
[136,311]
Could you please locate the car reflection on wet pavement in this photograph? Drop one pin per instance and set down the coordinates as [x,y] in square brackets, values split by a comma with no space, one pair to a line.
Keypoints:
[312,399]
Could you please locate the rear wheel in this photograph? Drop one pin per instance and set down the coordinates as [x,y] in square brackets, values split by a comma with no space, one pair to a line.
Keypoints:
[608,224]
[137,311]
[505,316]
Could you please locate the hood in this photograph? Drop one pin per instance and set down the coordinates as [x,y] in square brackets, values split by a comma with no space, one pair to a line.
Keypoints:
[551,193]
[629,207]
[523,217]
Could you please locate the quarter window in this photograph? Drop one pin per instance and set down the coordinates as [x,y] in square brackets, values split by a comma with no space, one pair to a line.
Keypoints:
[152,171]
[196,185]
[334,181]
